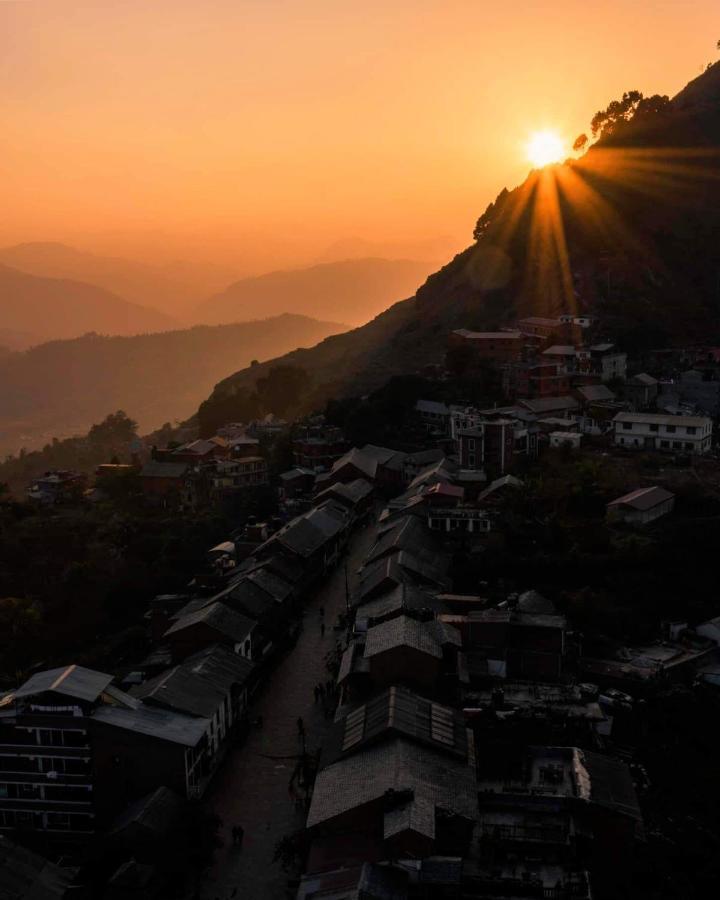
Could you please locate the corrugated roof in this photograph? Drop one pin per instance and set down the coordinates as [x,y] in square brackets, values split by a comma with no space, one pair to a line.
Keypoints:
[163,724]
[546,404]
[644,498]
[200,684]
[611,784]
[488,335]
[69,681]
[655,419]
[596,392]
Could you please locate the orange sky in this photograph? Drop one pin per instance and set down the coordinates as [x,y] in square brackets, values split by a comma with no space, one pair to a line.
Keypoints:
[261,131]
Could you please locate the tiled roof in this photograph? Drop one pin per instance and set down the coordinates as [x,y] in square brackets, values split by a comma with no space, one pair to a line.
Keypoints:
[412,780]
[403,631]
[218,616]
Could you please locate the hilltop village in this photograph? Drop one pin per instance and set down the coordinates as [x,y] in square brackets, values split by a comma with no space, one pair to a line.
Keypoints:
[453,660]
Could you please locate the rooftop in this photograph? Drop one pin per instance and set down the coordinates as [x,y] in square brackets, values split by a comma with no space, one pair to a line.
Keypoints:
[218,616]
[643,498]
[163,724]
[200,684]
[410,780]
[403,631]
[659,419]
[69,681]
[488,335]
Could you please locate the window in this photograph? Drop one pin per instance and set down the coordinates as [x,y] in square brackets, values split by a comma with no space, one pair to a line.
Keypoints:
[627,425]
[471,460]
[670,429]
[471,444]
[59,821]
[688,445]
[677,445]
[691,429]
[665,444]
[654,427]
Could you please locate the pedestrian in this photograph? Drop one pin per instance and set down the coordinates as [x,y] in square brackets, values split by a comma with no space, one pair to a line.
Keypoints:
[322,629]
[322,612]
[240,832]
[300,727]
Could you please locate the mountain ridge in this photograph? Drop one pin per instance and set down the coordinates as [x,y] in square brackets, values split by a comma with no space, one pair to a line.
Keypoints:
[61,387]
[636,219]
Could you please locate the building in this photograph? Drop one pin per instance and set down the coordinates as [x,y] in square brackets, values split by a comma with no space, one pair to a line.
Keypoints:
[205,622]
[213,685]
[654,431]
[57,486]
[640,391]
[569,439]
[434,416]
[489,446]
[641,506]
[490,346]
[74,750]
[562,407]
[538,378]
[232,475]
[318,448]
[396,780]
[296,482]
[163,480]
[608,362]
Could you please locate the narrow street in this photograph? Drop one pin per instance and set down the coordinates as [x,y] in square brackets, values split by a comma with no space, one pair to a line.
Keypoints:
[251,790]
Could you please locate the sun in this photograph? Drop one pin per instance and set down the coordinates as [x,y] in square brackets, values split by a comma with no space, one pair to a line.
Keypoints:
[545,147]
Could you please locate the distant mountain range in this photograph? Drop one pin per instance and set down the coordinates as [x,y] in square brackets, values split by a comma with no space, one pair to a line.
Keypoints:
[172,288]
[628,231]
[60,388]
[356,290]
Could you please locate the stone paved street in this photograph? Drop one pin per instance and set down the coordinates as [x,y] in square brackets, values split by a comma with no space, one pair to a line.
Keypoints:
[252,788]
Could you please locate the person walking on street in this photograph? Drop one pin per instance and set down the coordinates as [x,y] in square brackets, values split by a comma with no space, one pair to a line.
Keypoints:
[322,612]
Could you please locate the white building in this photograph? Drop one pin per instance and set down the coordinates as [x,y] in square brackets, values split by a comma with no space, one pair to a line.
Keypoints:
[647,431]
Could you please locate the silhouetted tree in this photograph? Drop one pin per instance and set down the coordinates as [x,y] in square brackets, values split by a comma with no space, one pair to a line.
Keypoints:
[580,142]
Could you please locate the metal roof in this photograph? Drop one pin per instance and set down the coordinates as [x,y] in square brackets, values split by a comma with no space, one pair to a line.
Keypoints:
[644,498]
[69,681]
[163,724]
[659,419]
[157,469]
[200,684]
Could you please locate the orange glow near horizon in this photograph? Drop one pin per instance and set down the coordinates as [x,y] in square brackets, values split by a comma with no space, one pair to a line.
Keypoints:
[270,133]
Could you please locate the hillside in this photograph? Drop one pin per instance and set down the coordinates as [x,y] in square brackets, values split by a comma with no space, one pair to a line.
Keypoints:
[172,288]
[362,288]
[60,388]
[628,231]
[48,308]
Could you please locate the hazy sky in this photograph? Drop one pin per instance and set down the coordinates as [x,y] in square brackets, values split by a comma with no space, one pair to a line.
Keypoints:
[268,129]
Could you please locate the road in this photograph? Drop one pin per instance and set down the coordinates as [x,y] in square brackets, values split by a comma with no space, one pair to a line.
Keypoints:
[252,787]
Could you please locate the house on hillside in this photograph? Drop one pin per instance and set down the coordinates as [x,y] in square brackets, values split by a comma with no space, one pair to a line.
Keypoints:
[641,506]
[654,431]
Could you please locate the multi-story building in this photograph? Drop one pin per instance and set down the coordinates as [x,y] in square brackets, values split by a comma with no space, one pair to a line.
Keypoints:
[490,346]
[74,750]
[650,431]
[235,474]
